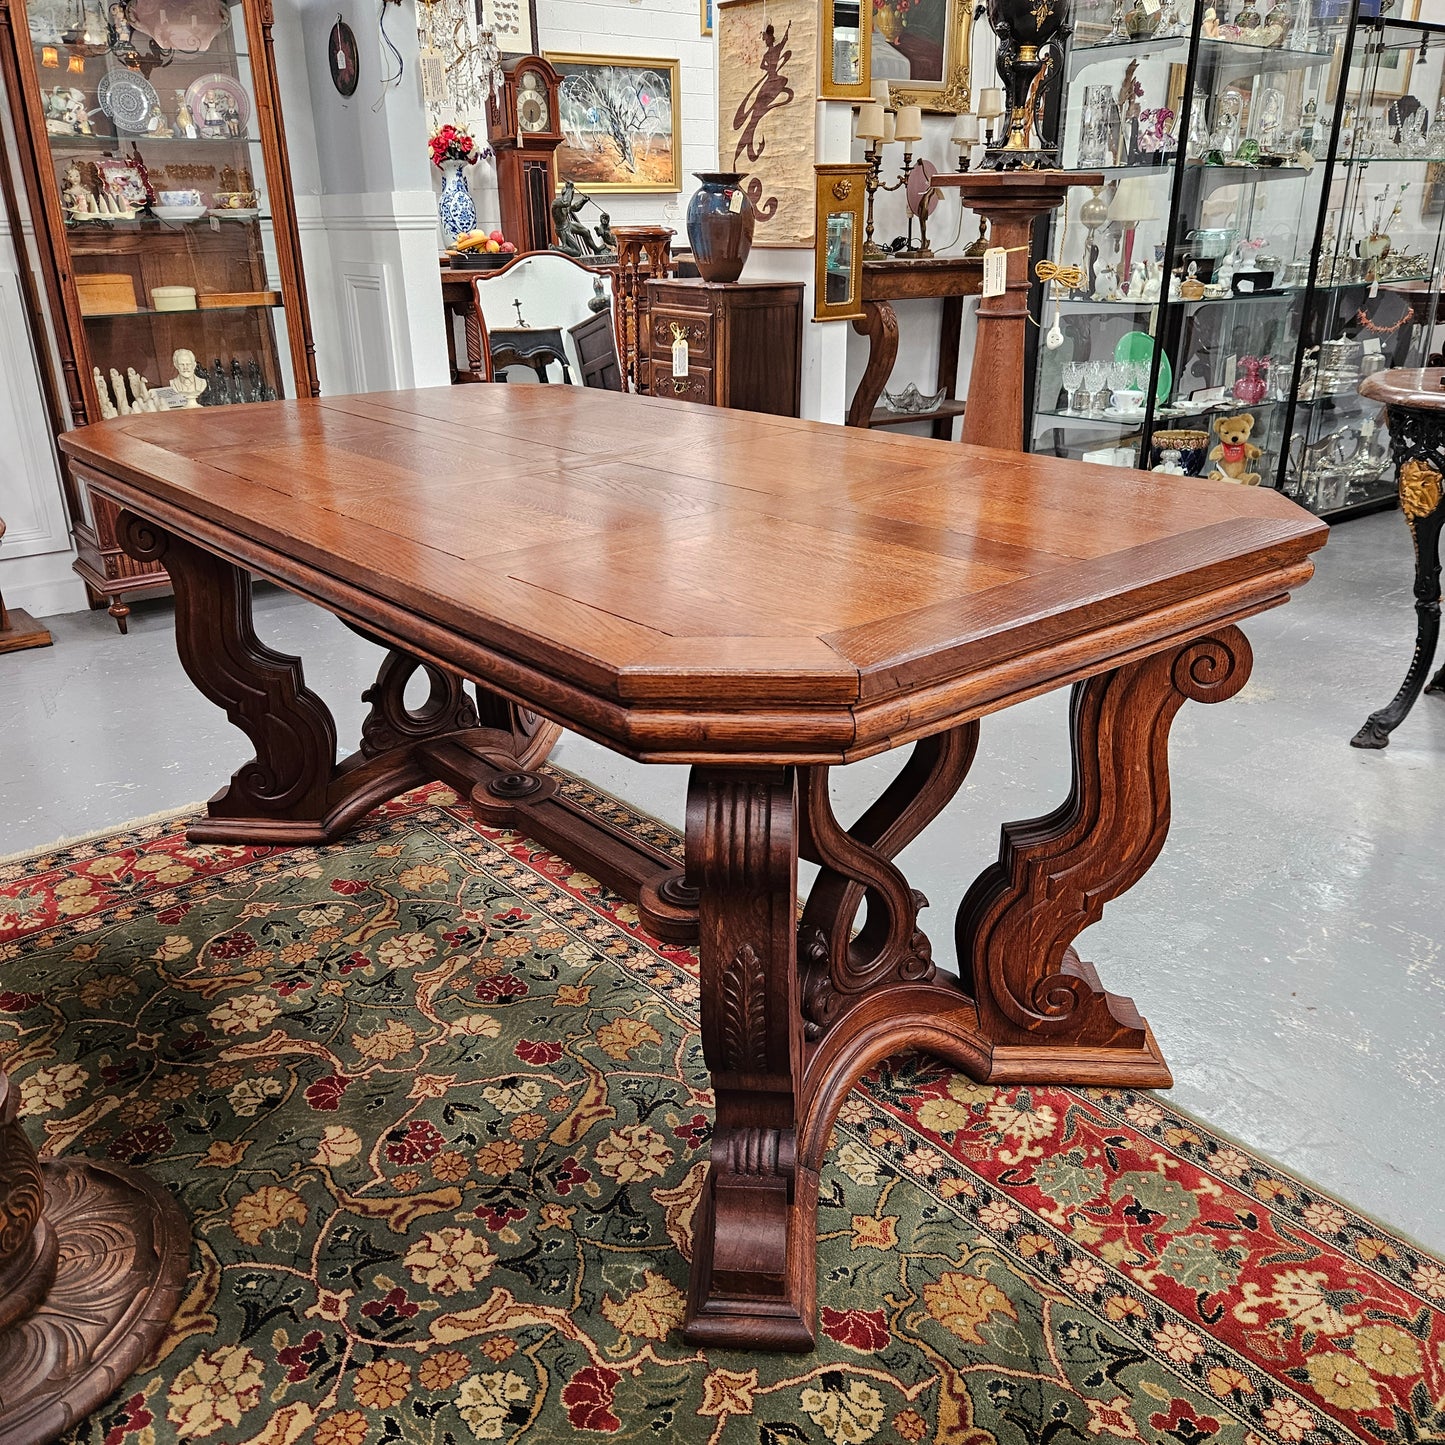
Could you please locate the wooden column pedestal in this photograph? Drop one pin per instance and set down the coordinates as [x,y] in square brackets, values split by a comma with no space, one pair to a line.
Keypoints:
[1010,201]
[93,1259]
[18,629]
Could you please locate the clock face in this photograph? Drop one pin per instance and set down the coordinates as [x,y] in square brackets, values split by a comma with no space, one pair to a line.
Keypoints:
[533,112]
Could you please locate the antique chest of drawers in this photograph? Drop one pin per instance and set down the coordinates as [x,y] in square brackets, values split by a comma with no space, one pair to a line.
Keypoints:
[744,343]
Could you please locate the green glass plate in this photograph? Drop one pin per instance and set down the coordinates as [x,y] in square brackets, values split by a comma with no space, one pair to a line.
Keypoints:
[1138,347]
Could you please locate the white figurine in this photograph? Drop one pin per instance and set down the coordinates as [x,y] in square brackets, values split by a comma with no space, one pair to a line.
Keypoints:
[1106,284]
[107,406]
[1153,281]
[117,385]
[186,382]
[1136,280]
[141,398]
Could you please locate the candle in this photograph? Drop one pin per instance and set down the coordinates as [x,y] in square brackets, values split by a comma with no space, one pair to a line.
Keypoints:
[888,128]
[990,103]
[910,123]
[870,121]
[965,130]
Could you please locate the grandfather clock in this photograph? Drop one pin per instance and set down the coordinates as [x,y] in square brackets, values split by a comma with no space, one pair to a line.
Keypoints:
[525,128]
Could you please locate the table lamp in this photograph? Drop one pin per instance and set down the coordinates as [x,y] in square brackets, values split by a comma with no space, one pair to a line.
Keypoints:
[1133,202]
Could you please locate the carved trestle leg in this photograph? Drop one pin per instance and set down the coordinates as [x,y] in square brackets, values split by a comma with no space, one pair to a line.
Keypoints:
[294,790]
[1040,1006]
[754,1269]
[879,323]
[93,1258]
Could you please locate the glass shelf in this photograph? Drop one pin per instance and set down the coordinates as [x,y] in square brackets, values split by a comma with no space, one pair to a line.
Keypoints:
[111,142]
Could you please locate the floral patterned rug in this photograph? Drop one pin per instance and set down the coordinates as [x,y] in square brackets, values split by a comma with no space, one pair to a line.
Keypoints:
[437,1112]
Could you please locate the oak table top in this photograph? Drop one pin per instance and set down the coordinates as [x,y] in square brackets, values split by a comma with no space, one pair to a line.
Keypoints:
[763,598]
[660,575]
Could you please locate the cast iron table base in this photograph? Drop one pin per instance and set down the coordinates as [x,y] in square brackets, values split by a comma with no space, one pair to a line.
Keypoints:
[1415,405]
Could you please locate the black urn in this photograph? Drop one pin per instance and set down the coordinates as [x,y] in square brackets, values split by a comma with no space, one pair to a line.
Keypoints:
[1026,30]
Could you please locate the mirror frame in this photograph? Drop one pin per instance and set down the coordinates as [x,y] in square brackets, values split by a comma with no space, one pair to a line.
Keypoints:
[838,188]
[828,88]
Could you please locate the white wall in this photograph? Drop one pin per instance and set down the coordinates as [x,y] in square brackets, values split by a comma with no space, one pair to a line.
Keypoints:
[36,552]
[364,202]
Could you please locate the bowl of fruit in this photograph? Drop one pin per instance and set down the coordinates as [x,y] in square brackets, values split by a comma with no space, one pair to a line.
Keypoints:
[483,250]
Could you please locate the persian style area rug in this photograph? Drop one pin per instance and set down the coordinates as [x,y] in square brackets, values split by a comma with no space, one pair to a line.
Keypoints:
[436,1111]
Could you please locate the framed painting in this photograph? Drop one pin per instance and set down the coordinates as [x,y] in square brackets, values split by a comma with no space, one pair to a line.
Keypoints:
[767,95]
[705,16]
[1396,60]
[921,48]
[620,123]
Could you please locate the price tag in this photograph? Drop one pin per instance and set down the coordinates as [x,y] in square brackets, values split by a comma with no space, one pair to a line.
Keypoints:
[735,201]
[679,357]
[1151,7]
[995,271]
[433,77]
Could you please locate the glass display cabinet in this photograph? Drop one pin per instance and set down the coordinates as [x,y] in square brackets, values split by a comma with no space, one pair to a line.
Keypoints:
[1375,302]
[148,149]
[1170,338]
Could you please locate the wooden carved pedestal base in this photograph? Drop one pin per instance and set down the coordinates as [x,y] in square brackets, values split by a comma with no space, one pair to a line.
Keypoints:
[93,1258]
[792,1012]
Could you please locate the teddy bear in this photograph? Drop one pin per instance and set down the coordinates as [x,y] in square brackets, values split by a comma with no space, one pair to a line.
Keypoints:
[1233,454]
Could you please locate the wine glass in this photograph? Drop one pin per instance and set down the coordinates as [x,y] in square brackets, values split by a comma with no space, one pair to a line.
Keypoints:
[1096,379]
[1073,375]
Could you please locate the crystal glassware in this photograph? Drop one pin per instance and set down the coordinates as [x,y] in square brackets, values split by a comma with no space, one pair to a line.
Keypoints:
[1096,374]
[1073,375]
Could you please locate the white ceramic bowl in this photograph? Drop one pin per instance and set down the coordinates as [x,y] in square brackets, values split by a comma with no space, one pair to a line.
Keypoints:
[173,298]
[178,213]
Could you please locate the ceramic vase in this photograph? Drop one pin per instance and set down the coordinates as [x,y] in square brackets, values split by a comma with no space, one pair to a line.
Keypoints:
[456,207]
[720,221]
[1024,29]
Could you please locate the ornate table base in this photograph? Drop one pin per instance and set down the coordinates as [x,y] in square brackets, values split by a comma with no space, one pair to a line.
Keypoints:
[93,1258]
[791,1013]
[1416,412]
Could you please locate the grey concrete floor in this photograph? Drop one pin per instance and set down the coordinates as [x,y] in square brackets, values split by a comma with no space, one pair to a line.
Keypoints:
[1287,947]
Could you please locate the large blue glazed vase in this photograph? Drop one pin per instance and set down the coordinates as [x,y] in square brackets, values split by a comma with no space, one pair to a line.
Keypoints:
[720,220]
[457,208]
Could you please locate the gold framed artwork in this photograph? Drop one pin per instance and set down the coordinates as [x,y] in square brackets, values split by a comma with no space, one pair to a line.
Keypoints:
[767,94]
[921,49]
[621,123]
[839,196]
[705,16]
[844,69]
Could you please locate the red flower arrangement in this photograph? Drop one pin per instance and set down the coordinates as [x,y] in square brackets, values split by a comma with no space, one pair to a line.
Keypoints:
[451,143]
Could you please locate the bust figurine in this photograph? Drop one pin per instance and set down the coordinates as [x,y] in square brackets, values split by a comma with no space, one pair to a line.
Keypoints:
[185,382]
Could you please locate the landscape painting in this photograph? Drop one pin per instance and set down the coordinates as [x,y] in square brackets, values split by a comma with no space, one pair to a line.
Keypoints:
[619,123]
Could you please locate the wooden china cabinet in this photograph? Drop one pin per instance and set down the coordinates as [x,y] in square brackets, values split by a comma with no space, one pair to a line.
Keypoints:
[148,150]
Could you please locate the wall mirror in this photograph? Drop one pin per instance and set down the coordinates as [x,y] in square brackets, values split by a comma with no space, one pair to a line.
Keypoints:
[845,65]
[840,192]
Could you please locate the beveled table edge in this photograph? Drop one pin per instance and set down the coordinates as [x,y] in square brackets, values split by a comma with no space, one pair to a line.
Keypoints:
[756,730]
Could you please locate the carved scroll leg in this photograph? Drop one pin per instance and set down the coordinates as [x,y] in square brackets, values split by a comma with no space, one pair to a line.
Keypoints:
[754,1254]
[1425,532]
[262,691]
[1039,1004]
[880,326]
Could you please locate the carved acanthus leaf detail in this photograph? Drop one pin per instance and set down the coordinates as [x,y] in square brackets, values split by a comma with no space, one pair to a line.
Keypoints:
[744,1012]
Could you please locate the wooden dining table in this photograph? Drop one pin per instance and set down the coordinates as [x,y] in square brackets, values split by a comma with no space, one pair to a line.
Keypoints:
[762,599]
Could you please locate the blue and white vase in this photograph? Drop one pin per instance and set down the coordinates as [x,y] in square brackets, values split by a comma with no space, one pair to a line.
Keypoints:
[457,208]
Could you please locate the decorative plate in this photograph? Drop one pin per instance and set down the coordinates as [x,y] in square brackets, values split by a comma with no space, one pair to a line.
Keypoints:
[1138,347]
[343,58]
[219,105]
[128,99]
[190,34]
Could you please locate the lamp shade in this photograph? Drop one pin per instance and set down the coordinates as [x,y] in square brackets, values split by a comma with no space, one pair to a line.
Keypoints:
[870,121]
[965,130]
[1134,201]
[990,103]
[910,123]
[880,93]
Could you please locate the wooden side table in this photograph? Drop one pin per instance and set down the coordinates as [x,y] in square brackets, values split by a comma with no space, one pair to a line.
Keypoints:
[1415,406]
[948,277]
